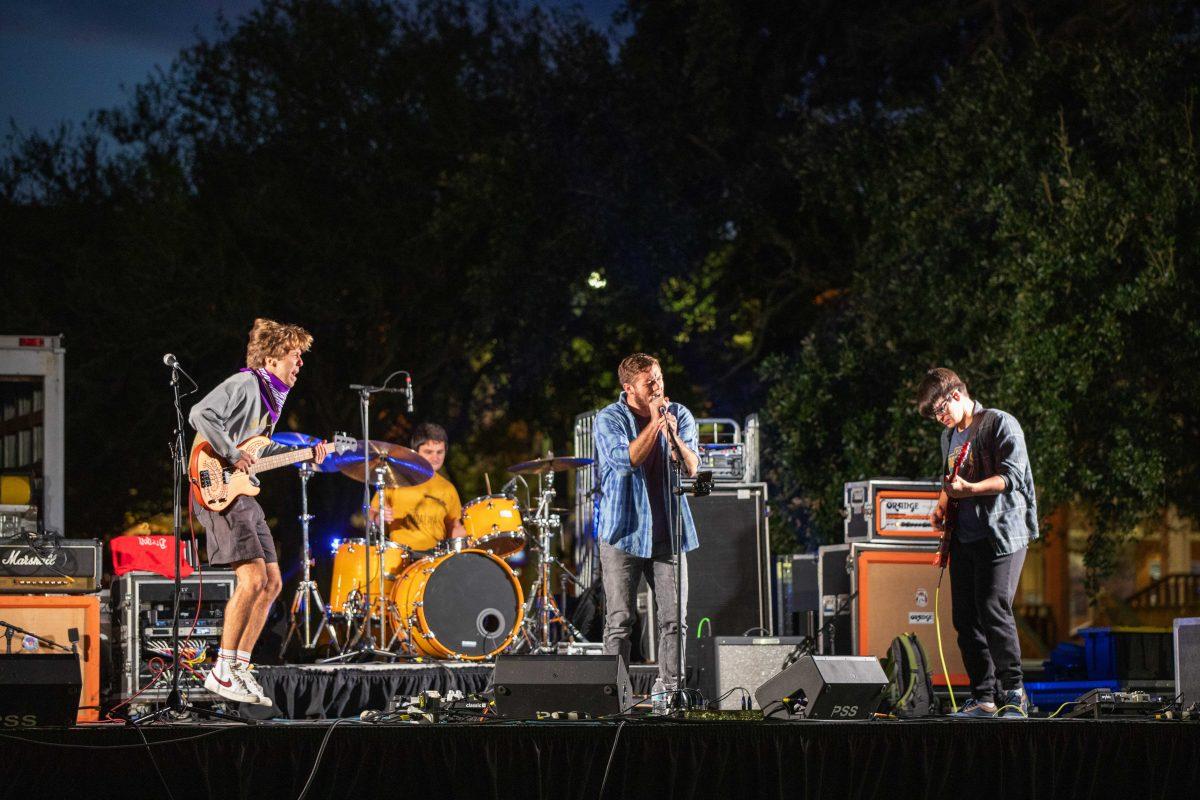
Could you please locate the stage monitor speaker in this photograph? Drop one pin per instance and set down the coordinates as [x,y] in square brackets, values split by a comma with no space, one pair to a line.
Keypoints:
[39,689]
[824,687]
[729,573]
[894,588]
[595,686]
[726,664]
[54,617]
[1186,632]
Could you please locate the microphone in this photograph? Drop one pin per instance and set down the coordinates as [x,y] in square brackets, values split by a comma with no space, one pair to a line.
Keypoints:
[408,391]
[171,361]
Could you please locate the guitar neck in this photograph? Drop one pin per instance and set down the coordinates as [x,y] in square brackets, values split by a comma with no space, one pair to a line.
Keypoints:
[282,460]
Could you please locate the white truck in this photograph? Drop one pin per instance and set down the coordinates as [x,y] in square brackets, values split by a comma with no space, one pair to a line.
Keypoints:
[32,429]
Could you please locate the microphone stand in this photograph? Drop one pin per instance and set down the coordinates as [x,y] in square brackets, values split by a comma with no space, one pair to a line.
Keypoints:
[703,485]
[364,636]
[176,706]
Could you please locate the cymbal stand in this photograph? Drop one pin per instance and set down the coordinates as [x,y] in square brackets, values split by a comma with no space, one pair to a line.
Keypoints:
[307,596]
[536,628]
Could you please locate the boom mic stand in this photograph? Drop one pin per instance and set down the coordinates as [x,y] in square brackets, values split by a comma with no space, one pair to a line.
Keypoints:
[176,705]
[364,641]
[700,487]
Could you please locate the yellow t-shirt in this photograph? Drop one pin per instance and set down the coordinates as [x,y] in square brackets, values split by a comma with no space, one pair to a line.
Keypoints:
[420,513]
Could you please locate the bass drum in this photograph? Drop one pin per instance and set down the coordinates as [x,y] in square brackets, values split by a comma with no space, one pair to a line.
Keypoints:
[464,605]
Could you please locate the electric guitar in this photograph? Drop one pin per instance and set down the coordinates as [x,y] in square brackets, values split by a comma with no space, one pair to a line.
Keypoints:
[216,484]
[950,521]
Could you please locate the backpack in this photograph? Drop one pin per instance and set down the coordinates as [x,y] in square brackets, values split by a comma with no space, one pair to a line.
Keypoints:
[909,692]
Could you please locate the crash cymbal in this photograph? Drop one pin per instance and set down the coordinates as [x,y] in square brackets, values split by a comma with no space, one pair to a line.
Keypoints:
[541,466]
[295,439]
[401,466]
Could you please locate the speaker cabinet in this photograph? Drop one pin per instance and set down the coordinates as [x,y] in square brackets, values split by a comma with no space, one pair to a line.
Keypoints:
[596,686]
[726,664]
[895,588]
[729,573]
[53,618]
[798,593]
[824,687]
[39,689]
[833,590]
[1186,632]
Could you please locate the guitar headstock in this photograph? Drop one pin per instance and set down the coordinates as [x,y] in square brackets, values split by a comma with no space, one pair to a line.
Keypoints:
[342,443]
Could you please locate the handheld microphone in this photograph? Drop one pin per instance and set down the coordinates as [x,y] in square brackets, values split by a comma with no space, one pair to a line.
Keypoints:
[408,391]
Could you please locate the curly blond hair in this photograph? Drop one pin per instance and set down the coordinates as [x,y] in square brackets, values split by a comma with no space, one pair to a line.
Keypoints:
[271,339]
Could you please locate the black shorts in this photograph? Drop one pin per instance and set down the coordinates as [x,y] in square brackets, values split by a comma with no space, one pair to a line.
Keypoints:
[239,533]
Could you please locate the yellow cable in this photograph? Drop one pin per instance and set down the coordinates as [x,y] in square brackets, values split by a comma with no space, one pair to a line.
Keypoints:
[1018,708]
[1060,708]
[937,623]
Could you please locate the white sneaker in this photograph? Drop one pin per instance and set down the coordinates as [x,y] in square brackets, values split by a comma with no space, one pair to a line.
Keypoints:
[225,682]
[252,685]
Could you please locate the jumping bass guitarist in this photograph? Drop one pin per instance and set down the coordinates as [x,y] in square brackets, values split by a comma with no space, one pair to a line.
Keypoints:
[990,484]
[243,406]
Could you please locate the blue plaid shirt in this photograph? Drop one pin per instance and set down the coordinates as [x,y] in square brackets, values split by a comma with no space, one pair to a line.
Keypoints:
[624,519]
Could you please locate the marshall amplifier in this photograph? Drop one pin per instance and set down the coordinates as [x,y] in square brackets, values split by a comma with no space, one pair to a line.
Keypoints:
[890,509]
[50,566]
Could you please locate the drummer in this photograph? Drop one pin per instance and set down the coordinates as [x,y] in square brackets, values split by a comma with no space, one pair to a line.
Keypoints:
[422,516]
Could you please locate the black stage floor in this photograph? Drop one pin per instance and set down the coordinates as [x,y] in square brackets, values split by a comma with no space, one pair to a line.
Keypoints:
[629,759]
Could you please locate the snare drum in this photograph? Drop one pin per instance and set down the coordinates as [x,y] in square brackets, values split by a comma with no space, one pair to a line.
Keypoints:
[494,522]
[465,605]
[349,567]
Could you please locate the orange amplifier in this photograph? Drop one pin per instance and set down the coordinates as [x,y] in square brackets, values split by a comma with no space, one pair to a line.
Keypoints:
[896,588]
[53,617]
[890,509]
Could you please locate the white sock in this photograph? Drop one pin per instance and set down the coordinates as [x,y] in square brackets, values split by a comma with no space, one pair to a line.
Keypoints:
[243,658]
[226,659]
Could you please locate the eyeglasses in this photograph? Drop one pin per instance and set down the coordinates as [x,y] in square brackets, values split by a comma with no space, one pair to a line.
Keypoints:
[941,407]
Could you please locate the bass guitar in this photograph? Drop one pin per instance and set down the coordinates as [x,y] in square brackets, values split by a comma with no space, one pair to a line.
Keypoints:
[215,482]
[950,521]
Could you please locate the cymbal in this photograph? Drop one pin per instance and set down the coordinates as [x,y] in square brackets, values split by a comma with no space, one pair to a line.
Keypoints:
[401,466]
[540,466]
[296,439]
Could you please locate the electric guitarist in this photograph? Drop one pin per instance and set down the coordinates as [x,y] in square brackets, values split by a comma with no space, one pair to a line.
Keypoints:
[245,405]
[988,511]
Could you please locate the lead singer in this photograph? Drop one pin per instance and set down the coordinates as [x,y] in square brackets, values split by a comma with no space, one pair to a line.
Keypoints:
[633,527]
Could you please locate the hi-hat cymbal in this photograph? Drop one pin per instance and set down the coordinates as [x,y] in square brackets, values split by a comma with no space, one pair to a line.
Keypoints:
[295,440]
[401,466]
[541,466]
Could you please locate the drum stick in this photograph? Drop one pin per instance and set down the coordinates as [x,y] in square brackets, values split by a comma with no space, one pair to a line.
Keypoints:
[487,481]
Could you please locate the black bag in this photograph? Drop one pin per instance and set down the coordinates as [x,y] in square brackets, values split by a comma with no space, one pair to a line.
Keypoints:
[909,691]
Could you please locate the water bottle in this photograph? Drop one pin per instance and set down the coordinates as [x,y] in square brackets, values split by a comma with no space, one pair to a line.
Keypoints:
[659,704]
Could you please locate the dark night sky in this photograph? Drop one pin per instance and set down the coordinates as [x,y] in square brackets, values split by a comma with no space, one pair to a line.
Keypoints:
[60,59]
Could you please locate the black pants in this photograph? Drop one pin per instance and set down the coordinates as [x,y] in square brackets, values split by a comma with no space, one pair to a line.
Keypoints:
[982,586]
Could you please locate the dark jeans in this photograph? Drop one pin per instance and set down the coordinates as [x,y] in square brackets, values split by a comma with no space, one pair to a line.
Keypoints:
[620,573]
[982,586]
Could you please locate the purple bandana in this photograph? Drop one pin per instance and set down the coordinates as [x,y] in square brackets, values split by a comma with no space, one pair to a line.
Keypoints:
[272,391]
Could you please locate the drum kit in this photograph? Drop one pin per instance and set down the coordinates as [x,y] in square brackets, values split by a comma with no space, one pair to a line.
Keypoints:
[461,600]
